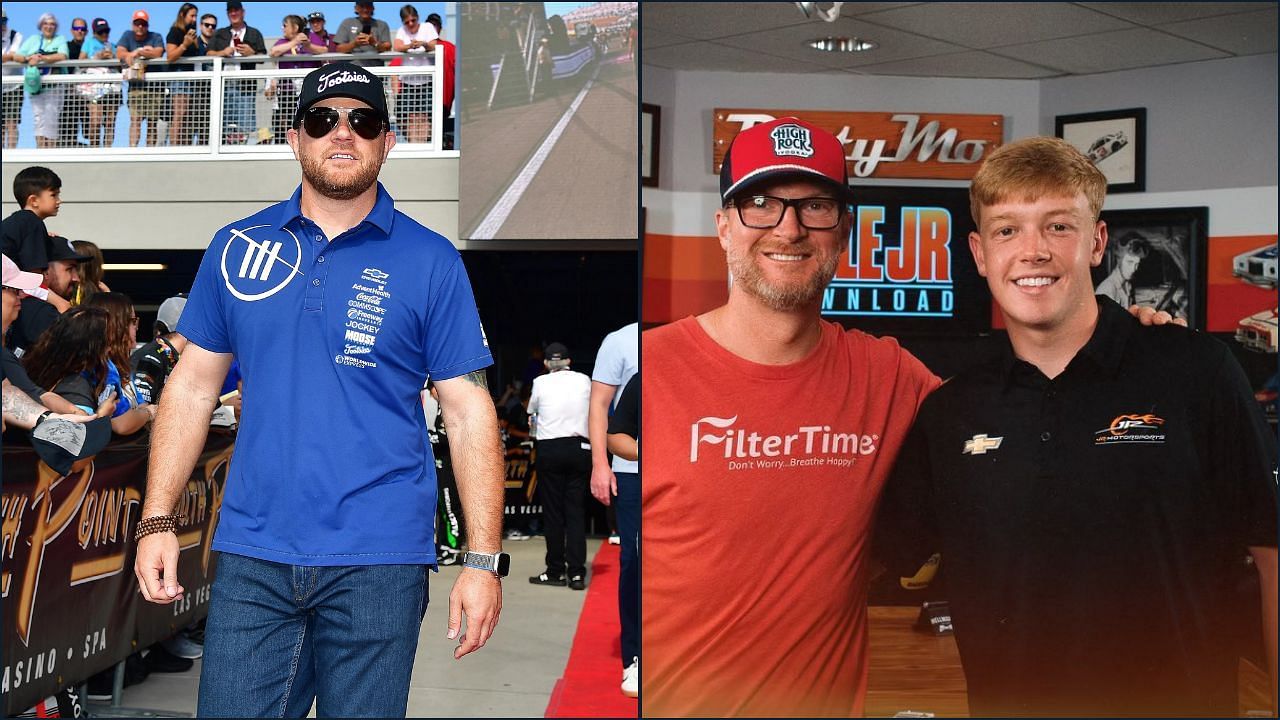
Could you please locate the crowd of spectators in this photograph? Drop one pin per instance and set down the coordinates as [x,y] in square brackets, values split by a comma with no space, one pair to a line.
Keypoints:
[69,339]
[84,114]
[71,354]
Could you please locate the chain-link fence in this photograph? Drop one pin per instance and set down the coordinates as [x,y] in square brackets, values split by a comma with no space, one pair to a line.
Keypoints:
[194,107]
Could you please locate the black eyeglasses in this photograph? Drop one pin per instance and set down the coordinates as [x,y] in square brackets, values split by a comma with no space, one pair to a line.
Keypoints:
[765,211]
[320,121]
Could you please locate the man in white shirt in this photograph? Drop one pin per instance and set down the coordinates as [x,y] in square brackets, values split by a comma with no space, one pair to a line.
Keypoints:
[413,98]
[558,407]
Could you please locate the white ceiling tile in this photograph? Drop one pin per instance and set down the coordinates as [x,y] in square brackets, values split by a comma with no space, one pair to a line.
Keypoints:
[1106,52]
[1155,13]
[710,56]
[713,20]
[790,42]
[985,25]
[650,40]
[1243,34]
[974,63]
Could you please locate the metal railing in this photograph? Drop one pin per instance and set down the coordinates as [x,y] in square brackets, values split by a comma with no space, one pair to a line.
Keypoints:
[199,108]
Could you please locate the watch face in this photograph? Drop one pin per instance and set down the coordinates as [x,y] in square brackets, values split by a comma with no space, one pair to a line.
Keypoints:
[504,564]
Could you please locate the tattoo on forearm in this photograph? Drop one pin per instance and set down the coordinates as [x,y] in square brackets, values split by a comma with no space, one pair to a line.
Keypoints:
[18,406]
[477,378]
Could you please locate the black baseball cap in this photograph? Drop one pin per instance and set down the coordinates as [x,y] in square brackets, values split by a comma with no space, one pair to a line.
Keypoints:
[317,15]
[100,24]
[61,443]
[556,351]
[61,248]
[234,6]
[341,79]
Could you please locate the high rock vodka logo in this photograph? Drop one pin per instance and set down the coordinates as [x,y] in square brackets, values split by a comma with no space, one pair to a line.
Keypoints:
[792,140]
[809,445]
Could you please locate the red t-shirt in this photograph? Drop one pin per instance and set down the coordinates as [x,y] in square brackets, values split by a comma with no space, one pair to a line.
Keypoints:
[760,483]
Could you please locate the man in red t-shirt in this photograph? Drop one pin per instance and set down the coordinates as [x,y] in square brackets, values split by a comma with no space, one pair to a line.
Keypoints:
[774,430]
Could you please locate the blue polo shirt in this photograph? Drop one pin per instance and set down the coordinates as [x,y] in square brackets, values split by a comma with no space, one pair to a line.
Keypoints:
[335,340]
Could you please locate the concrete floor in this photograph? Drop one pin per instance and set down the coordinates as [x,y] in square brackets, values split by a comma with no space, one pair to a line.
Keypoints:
[511,676]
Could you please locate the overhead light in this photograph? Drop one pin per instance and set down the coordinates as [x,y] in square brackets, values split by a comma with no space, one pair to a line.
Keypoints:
[136,267]
[813,9]
[842,44]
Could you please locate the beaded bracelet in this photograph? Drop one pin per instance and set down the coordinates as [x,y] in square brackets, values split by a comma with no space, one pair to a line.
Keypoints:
[156,524]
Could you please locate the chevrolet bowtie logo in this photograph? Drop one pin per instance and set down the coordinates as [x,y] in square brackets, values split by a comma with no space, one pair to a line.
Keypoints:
[980,444]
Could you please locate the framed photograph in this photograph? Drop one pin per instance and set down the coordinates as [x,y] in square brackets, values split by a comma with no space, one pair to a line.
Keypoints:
[1115,141]
[1157,258]
[650,123]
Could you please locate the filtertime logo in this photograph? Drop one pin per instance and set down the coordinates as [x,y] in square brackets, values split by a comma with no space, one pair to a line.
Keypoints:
[719,438]
[1131,428]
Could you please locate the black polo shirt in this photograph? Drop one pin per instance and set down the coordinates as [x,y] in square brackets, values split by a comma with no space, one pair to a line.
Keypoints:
[1093,527]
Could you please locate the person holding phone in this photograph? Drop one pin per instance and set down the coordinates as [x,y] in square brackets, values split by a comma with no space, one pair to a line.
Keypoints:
[182,41]
[238,40]
[363,35]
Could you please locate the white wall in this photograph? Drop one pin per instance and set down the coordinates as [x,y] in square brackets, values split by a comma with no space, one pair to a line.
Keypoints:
[1210,124]
[1211,129]
[179,205]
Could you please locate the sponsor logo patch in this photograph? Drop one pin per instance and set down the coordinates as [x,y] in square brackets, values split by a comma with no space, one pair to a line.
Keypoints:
[792,140]
[1132,428]
[256,265]
[980,444]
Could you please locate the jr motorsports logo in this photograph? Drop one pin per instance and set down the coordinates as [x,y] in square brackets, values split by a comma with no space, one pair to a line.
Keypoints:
[258,262]
[713,439]
[1132,428]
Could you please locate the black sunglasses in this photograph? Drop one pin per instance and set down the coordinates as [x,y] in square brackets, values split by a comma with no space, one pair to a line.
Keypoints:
[79,28]
[210,25]
[320,121]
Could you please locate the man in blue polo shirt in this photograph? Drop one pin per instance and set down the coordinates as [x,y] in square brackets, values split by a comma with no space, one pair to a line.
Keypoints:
[338,308]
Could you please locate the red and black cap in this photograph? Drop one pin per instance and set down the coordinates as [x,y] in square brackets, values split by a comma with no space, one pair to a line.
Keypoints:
[784,147]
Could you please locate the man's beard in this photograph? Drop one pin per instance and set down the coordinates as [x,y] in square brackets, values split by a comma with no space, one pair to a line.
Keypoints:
[323,181]
[780,296]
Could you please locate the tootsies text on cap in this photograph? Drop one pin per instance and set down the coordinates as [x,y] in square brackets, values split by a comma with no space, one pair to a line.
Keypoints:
[340,78]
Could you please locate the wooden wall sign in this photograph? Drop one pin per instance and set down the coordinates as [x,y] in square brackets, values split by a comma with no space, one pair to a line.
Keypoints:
[928,146]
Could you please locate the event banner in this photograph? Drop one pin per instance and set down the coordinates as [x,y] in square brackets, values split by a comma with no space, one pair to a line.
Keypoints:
[930,146]
[71,602]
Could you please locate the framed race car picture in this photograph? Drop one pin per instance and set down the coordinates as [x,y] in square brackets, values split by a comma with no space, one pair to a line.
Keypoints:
[1116,141]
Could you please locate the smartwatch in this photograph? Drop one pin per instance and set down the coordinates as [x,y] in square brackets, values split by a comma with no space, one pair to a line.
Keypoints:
[498,563]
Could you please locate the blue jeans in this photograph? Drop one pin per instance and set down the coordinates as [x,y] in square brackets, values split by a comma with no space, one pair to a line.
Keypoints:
[238,108]
[280,636]
[628,511]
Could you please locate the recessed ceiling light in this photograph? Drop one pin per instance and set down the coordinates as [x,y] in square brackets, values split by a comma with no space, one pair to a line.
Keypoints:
[842,44]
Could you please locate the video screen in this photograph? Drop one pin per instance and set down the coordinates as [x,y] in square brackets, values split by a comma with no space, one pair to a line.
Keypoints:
[908,269]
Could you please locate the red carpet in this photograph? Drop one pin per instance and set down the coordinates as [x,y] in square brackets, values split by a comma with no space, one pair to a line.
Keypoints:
[589,687]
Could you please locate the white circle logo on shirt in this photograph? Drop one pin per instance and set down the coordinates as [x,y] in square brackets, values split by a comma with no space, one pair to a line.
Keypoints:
[255,269]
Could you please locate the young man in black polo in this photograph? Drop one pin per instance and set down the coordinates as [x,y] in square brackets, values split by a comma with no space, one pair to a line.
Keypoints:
[1097,489]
